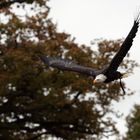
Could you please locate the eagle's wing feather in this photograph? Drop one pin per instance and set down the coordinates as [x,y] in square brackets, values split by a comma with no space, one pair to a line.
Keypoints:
[118,58]
[68,65]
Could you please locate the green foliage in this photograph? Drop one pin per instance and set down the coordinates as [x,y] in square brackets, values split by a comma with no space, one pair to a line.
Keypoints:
[133,124]
[37,101]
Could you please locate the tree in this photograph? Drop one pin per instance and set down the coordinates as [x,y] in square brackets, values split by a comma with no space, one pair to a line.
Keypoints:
[37,101]
[133,124]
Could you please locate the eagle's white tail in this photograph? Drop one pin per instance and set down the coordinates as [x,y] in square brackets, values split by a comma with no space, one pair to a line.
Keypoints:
[125,75]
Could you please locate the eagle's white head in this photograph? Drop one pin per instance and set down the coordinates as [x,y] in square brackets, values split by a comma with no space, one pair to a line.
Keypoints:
[100,78]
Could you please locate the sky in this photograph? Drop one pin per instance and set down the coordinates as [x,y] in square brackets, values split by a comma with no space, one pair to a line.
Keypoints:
[87,20]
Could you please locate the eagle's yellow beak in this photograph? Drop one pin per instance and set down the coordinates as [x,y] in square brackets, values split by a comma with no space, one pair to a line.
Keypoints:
[94,81]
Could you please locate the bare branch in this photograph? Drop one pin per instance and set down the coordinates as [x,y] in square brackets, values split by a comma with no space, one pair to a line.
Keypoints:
[5,4]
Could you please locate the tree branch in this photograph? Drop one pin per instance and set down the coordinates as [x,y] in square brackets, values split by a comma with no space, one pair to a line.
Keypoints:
[5,4]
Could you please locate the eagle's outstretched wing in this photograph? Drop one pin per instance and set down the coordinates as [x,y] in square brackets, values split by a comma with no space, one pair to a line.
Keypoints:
[118,58]
[64,64]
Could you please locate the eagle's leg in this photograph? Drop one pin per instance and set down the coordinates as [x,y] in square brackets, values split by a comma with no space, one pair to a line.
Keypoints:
[122,86]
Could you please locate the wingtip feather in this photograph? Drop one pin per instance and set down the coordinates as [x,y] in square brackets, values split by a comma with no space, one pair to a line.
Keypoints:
[45,59]
[137,17]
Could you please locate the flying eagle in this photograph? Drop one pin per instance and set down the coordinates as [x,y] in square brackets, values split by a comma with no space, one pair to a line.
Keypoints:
[108,73]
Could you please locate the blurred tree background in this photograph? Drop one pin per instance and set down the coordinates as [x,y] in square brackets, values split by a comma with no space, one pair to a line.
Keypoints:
[37,102]
[133,124]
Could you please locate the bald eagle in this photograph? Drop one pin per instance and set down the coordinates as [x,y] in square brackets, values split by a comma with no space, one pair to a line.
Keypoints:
[108,73]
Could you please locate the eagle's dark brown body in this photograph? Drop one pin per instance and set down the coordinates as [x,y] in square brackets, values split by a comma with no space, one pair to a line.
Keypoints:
[107,74]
